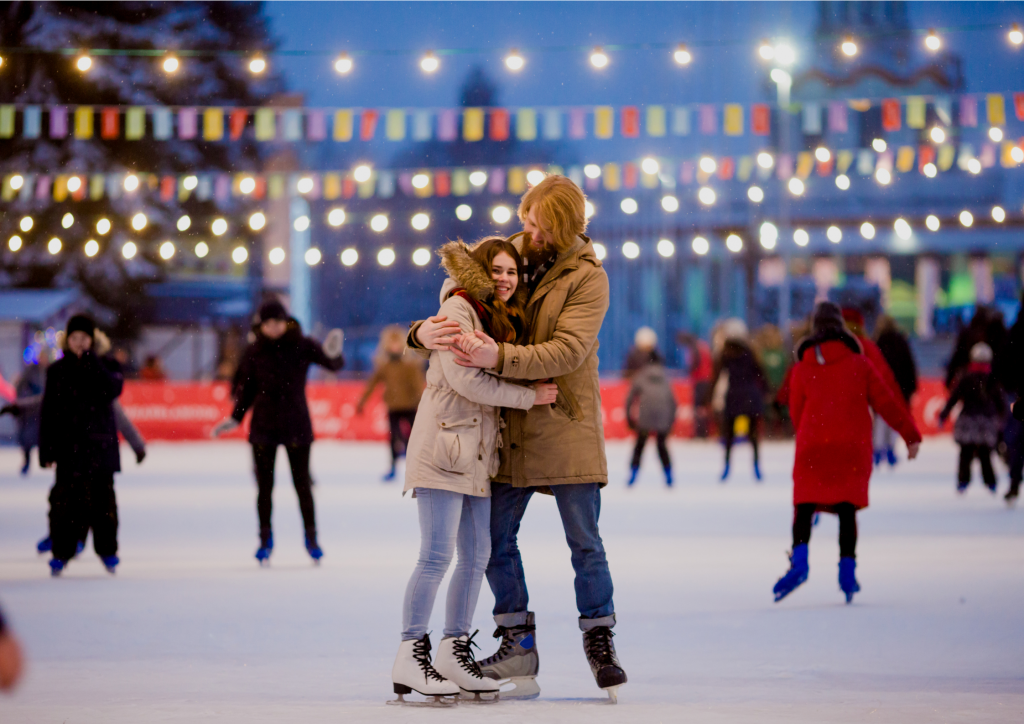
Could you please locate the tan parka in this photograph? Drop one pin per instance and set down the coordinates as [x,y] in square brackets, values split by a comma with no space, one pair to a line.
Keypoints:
[561,443]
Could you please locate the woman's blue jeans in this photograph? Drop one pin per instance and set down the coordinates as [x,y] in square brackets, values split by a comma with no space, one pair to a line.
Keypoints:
[448,522]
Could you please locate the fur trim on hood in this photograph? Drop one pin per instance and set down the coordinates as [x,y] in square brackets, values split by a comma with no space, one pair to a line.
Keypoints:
[469,274]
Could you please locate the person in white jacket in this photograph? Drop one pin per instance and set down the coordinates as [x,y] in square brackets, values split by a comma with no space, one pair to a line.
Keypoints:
[452,455]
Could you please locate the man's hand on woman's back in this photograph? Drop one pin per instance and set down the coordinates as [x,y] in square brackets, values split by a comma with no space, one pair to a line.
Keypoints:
[438,333]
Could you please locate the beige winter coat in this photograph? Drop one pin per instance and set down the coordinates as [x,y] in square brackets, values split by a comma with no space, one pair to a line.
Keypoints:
[561,443]
[455,439]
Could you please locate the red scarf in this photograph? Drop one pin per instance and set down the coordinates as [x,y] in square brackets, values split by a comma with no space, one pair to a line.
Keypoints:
[982,367]
[481,311]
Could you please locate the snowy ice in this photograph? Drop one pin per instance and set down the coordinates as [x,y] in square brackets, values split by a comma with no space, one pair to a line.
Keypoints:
[191,629]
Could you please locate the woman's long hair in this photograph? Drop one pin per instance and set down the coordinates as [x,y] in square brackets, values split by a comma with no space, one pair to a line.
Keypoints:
[508,319]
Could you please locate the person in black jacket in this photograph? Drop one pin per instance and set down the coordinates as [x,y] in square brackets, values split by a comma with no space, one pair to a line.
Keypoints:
[895,348]
[271,380]
[744,397]
[78,434]
[1012,363]
[984,410]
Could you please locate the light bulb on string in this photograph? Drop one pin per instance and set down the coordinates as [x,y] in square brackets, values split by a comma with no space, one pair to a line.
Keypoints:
[849,47]
[834,234]
[930,170]
[463,212]
[700,246]
[421,257]
[769,235]
[257,221]
[708,164]
[247,185]
[301,223]
[190,183]
[932,222]
[501,214]
[219,227]
[103,226]
[785,54]
[379,223]
[755,194]
[1017,154]
[666,248]
[167,250]
[706,195]
[91,248]
[17,181]
[682,55]
[420,221]
[796,186]
[239,254]
[276,255]
[478,178]
[184,222]
[304,185]
[84,63]
[386,257]
[256,66]
[1015,35]
[139,221]
[937,134]
[822,154]
[129,250]
[362,173]
[592,170]
[600,251]
[429,63]
[74,184]
[670,204]
[420,181]
[932,41]
[514,61]
[883,176]
[349,257]
[629,205]
[765,50]
[650,165]
[996,134]
[765,160]
[631,250]
[588,209]
[535,176]
[26,223]
[974,166]
[67,221]
[312,256]
[54,246]
[202,249]
[879,145]
[902,228]
[801,237]
[131,182]
[343,64]
[171,64]
[598,58]
[734,243]
[998,214]
[843,182]
[867,230]
[14,243]
[336,217]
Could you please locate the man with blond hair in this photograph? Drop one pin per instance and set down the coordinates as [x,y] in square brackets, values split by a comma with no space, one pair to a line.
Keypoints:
[556,449]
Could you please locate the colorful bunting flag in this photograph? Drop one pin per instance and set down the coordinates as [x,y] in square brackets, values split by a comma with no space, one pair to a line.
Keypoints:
[745,168]
[925,156]
[110,123]
[473,124]
[944,110]
[236,123]
[83,122]
[905,158]
[1018,105]
[266,124]
[733,119]
[577,123]
[6,121]
[135,123]
[367,127]
[610,176]
[213,124]
[916,112]
[630,122]
[58,129]
[460,182]
[995,104]
[805,162]
[442,183]
[708,121]
[32,122]
[394,125]
[891,120]
[447,125]
[656,126]
[291,124]
[968,111]
[552,126]
[499,124]
[343,126]
[844,159]
[188,123]
[629,175]
[162,124]
[526,124]
[421,126]
[496,181]
[604,122]
[812,119]
[837,118]
[865,162]
[760,119]
[516,180]
[316,125]
[946,154]
[680,121]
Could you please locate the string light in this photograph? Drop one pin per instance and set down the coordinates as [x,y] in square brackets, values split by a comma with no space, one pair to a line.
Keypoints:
[700,246]
[463,212]
[849,47]
[184,222]
[998,214]
[501,214]
[92,248]
[966,218]
[937,135]
[996,134]
[26,223]
[239,254]
[513,61]
[974,166]
[420,221]
[932,41]
[765,160]
[219,227]
[670,204]
[478,178]
[755,194]
[257,221]
[202,249]
[822,154]
[682,55]
[650,165]
[629,205]
[535,176]
[276,255]
[362,173]
[343,64]
[598,58]
[706,195]
[74,184]
[588,209]
[247,185]
[129,250]
[131,182]
[386,257]
[1017,154]
[801,237]
[336,217]
[420,181]
[54,246]
[17,181]
[67,221]
[707,164]
[379,223]
[14,243]
[883,176]
[932,222]
[167,250]
[429,63]
[765,50]
[421,257]
[930,170]
[666,248]
[843,182]
[867,230]
[139,221]
[83,63]
[1015,35]
[902,228]
[834,234]
[256,66]
[734,243]
[785,54]
[349,257]
[796,186]
[769,233]
[305,185]
[103,226]
[301,223]
[600,251]
[631,250]
[312,256]
[190,183]
[592,170]
[171,64]
[879,145]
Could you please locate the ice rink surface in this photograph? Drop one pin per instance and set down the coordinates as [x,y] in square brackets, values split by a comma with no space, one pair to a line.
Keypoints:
[190,629]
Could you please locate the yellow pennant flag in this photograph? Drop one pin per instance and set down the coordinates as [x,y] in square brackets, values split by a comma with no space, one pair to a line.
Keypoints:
[394,125]
[266,124]
[604,122]
[343,125]
[6,121]
[473,124]
[365,189]
[733,119]
[460,182]
[135,123]
[915,112]
[60,188]
[526,125]
[656,121]
[844,159]
[83,123]
[1006,154]
[611,177]
[946,155]
[213,124]
[332,186]
[905,159]
[804,164]
[97,185]
[996,107]
[516,180]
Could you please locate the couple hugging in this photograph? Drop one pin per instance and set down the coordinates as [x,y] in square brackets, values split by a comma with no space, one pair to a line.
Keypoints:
[512,407]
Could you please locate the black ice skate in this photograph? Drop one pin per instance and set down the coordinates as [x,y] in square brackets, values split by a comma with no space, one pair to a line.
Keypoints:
[414,672]
[604,664]
[516,661]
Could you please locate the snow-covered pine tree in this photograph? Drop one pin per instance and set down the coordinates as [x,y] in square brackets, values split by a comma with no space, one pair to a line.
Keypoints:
[47,79]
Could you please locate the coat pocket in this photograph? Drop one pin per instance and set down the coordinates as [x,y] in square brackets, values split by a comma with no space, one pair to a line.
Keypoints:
[567,401]
[457,445]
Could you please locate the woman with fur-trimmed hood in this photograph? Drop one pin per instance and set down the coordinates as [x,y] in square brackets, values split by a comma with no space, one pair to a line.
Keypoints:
[452,456]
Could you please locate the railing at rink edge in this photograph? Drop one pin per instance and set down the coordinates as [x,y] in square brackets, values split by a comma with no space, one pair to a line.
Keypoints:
[189,410]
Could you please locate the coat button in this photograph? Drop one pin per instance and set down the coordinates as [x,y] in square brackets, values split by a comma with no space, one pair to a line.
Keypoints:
[474,419]
[479,457]
[514,446]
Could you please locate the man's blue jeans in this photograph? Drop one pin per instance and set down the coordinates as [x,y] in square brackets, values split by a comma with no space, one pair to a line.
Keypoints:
[579,506]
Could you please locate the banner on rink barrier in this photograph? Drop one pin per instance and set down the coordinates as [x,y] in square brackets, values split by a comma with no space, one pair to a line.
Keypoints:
[188,411]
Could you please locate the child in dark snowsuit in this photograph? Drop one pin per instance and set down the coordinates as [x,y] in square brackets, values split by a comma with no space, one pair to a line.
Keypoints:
[984,411]
[78,433]
[833,390]
[651,408]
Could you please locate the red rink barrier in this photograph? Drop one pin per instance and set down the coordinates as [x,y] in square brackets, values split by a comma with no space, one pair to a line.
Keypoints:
[188,411]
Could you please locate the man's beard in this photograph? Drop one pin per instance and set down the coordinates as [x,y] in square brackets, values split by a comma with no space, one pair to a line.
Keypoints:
[536,255]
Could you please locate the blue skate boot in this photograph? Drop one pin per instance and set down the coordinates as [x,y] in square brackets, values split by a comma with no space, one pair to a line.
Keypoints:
[313,548]
[725,473]
[44,546]
[890,457]
[56,566]
[633,473]
[516,661]
[668,477]
[797,573]
[847,579]
[266,547]
[110,563]
[757,471]
[389,476]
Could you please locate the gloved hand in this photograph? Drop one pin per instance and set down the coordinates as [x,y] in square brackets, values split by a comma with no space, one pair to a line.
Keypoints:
[335,343]
[11,409]
[140,456]
[223,427]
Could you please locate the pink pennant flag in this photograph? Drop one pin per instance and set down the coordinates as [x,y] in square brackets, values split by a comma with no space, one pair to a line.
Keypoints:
[316,125]
[58,122]
[405,183]
[447,125]
[577,123]
[43,188]
[968,111]
[708,121]
[188,123]
[686,172]
[222,187]
[837,122]
[496,181]
[785,167]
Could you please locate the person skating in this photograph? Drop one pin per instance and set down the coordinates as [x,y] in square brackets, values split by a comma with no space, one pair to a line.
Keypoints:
[833,389]
[643,352]
[271,380]
[651,409]
[984,411]
[895,349]
[453,454]
[11,658]
[557,449]
[30,386]
[78,434]
[737,367]
[1012,362]
[403,386]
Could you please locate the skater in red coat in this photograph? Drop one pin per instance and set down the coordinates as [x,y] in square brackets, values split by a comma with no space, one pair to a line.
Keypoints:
[834,387]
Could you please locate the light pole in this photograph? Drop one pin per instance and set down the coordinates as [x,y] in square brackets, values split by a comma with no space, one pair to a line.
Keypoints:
[783,84]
